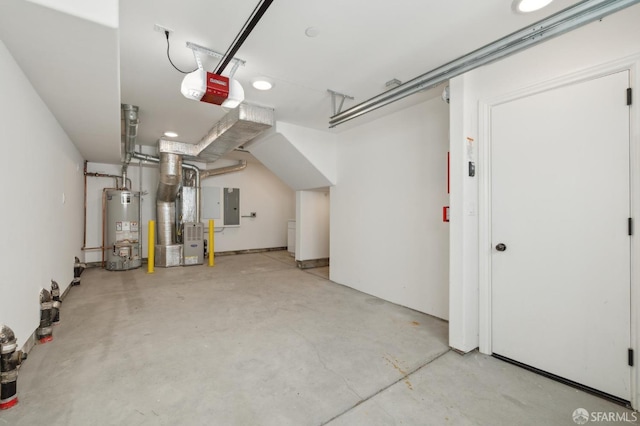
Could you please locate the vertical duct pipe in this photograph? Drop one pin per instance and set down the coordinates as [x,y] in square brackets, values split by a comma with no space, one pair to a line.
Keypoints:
[124,176]
[168,187]
[130,113]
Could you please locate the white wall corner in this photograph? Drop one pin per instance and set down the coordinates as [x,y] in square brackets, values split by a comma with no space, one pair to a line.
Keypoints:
[463,273]
[319,147]
[301,169]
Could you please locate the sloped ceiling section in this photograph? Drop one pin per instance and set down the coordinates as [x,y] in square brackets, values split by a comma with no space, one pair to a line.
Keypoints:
[285,160]
[73,64]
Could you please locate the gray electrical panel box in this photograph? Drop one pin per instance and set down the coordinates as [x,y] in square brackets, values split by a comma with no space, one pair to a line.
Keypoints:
[193,243]
[232,206]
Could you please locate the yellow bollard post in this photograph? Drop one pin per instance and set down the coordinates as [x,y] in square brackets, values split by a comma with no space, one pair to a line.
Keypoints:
[211,243]
[151,257]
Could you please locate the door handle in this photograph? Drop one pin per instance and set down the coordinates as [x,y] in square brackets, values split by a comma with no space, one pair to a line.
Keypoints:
[501,247]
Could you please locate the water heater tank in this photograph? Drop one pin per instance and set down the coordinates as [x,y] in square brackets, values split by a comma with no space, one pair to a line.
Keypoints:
[122,247]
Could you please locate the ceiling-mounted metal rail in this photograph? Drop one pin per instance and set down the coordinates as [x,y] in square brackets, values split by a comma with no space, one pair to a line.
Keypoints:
[564,21]
[256,15]
[334,100]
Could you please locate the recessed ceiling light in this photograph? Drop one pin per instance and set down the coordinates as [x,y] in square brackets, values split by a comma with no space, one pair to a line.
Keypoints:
[526,6]
[312,32]
[262,84]
[170,134]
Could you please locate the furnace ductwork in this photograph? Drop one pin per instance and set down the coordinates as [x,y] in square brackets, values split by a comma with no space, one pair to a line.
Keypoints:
[234,129]
[238,127]
[168,252]
[242,164]
[130,115]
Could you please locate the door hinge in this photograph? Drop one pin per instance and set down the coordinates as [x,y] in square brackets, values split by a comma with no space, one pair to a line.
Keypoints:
[629,96]
[630,357]
[630,226]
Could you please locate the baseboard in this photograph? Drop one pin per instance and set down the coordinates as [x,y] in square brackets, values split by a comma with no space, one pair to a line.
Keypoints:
[30,343]
[248,251]
[216,253]
[312,263]
[66,291]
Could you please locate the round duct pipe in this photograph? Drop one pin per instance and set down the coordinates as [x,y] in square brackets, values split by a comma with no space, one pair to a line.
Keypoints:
[130,115]
[170,176]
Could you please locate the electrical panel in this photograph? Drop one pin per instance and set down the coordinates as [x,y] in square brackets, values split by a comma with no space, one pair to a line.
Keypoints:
[231,206]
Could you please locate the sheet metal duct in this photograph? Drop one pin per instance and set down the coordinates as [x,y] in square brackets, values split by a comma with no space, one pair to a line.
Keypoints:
[239,126]
[169,253]
[234,129]
[242,164]
[130,116]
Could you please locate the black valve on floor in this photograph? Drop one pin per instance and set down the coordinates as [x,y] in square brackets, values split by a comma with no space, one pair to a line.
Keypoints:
[78,267]
[44,333]
[10,359]
[56,303]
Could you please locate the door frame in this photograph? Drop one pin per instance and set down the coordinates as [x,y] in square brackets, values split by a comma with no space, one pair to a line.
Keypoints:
[630,64]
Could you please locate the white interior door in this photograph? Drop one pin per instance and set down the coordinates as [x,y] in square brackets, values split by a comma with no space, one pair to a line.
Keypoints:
[560,205]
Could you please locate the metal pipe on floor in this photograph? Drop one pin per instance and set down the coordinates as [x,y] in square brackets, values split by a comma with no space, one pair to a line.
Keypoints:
[10,359]
[78,267]
[56,303]
[44,333]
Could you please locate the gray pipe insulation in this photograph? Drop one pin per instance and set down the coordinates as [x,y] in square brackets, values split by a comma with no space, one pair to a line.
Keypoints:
[168,187]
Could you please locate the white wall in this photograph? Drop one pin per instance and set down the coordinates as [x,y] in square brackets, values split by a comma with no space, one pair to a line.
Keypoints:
[41,232]
[599,47]
[387,234]
[260,191]
[312,225]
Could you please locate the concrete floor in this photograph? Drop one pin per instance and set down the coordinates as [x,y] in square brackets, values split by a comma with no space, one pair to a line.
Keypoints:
[256,341]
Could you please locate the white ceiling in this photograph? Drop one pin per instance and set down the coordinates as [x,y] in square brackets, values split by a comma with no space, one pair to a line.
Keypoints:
[360,46]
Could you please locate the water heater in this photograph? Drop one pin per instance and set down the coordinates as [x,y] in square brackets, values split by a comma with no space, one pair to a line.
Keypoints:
[122,227]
